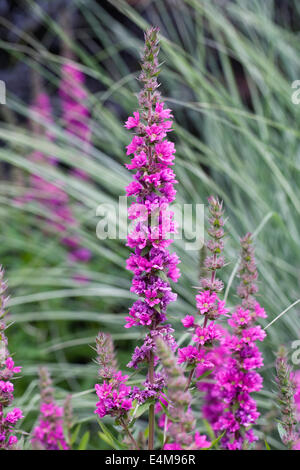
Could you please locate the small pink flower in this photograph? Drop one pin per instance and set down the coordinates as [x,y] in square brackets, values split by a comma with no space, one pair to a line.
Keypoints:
[155,132]
[161,112]
[173,446]
[188,321]
[13,416]
[201,441]
[133,121]
[135,144]
[221,309]
[133,188]
[12,440]
[138,161]
[260,311]
[10,365]
[205,301]
[240,318]
[165,151]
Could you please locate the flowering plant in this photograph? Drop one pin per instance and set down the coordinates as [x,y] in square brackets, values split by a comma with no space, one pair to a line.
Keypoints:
[228,359]
[194,391]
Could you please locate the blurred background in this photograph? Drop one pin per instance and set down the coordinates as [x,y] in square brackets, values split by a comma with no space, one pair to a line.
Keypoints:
[70,71]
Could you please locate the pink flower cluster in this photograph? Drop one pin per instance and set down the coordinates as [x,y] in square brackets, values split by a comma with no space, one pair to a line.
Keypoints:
[209,306]
[179,422]
[7,371]
[228,360]
[49,434]
[237,378]
[113,396]
[286,381]
[200,442]
[296,378]
[153,190]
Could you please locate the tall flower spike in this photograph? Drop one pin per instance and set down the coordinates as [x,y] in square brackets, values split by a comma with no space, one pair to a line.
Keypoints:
[7,370]
[202,356]
[115,396]
[73,94]
[49,434]
[106,355]
[286,400]
[180,421]
[296,378]
[51,196]
[76,119]
[73,101]
[153,190]
[238,378]
[68,419]
[247,273]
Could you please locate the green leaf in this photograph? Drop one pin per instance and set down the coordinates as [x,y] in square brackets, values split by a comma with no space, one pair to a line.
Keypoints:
[113,441]
[281,431]
[104,438]
[205,374]
[267,445]
[142,408]
[209,429]
[166,411]
[60,446]
[84,441]
[163,276]
[215,441]
[75,434]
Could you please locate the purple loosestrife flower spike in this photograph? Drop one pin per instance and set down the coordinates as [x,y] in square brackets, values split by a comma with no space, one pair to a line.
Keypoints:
[238,378]
[68,418]
[296,378]
[114,393]
[106,355]
[180,420]
[152,264]
[76,116]
[76,120]
[153,190]
[52,196]
[49,434]
[115,396]
[9,419]
[247,273]
[73,97]
[286,400]
[202,356]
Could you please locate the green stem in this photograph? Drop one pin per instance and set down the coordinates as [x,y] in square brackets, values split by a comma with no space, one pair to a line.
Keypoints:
[189,380]
[151,407]
[129,434]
